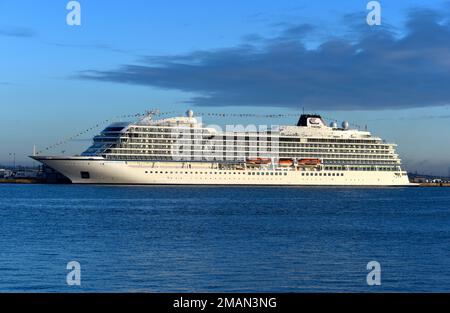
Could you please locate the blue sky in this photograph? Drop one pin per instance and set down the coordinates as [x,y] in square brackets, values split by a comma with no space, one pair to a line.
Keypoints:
[226,56]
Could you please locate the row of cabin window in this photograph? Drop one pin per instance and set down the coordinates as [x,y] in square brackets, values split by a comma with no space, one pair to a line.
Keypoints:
[251,173]
[211,173]
[322,174]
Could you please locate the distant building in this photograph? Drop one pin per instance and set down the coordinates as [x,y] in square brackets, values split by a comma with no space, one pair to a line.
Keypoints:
[419,180]
[27,173]
[5,173]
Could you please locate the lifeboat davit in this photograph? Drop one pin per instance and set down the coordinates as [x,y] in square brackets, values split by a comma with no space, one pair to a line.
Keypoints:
[309,162]
[251,161]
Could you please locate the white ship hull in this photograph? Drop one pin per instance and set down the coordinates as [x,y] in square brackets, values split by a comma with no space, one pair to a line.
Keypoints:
[96,170]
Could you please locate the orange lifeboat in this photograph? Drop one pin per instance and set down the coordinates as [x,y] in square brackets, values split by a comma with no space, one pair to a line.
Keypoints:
[258,161]
[309,162]
[285,162]
[264,160]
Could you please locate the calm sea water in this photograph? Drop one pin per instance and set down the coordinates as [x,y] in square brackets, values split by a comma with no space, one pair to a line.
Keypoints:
[177,239]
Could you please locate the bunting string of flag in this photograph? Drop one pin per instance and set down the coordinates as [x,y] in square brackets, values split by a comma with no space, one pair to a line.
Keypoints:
[296,115]
[246,115]
[96,126]
[156,112]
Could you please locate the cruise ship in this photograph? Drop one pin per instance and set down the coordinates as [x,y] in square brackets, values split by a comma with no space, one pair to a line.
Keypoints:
[183,151]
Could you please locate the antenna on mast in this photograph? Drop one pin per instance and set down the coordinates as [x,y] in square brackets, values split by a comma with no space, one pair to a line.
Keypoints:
[148,116]
[152,112]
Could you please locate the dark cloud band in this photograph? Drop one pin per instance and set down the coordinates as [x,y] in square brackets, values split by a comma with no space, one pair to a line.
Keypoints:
[376,69]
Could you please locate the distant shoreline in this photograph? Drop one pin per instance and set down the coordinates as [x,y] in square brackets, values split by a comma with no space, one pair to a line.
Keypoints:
[434,185]
[21,181]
